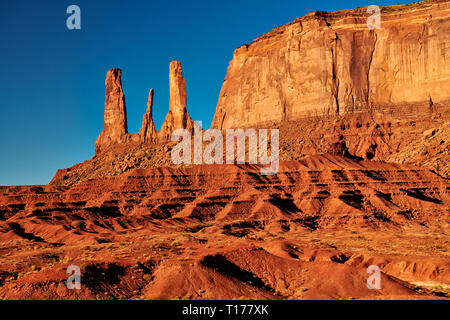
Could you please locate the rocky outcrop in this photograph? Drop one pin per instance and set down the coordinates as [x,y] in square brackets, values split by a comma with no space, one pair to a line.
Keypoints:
[321,63]
[147,133]
[332,63]
[115,131]
[178,117]
[115,123]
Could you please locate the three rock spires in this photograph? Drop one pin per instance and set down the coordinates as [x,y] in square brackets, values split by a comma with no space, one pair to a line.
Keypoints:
[115,128]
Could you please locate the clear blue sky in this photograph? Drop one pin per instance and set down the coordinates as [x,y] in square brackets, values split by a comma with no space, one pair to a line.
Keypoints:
[52,79]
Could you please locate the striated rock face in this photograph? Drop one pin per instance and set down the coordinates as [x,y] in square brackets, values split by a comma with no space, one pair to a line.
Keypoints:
[115,124]
[147,133]
[332,63]
[178,117]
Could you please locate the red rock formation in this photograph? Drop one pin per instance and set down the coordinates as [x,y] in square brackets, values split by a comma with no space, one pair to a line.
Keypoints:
[115,124]
[308,232]
[178,117]
[332,63]
[147,133]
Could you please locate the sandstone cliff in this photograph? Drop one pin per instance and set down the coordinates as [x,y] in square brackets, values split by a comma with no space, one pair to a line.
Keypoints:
[332,63]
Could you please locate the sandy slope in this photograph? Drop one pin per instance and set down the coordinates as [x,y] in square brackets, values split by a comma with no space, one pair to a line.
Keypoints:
[226,232]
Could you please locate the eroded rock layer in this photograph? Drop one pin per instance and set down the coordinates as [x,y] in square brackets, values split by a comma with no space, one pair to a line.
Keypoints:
[235,233]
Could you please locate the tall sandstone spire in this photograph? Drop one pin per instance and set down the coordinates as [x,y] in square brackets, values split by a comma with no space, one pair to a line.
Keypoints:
[115,122]
[147,133]
[177,117]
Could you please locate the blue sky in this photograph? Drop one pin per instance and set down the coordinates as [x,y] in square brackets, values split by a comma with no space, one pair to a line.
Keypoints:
[52,79]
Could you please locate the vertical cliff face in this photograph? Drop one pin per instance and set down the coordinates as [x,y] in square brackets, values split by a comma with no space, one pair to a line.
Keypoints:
[147,133]
[332,63]
[411,59]
[177,117]
[115,120]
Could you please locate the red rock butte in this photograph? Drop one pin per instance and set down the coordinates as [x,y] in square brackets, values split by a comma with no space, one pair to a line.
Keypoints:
[332,63]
